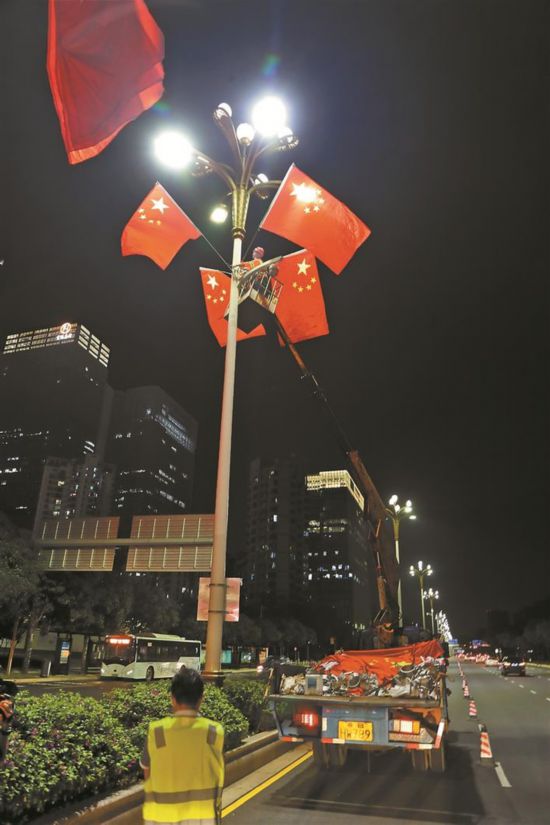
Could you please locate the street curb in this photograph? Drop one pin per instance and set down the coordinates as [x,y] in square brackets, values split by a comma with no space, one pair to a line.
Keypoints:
[256,752]
[538,664]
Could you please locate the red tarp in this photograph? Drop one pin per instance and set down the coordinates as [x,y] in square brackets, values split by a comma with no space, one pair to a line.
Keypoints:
[384,663]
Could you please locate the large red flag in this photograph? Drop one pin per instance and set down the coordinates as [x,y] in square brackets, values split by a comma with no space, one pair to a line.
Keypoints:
[158,229]
[306,214]
[301,306]
[216,286]
[105,68]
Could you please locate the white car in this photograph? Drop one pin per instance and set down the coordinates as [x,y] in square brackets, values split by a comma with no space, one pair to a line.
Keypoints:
[490,662]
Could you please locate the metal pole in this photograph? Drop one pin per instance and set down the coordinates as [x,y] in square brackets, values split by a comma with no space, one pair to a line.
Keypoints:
[421,580]
[399,598]
[216,605]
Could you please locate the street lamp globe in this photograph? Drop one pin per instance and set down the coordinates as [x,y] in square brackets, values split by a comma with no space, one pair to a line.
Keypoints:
[219,213]
[223,110]
[269,116]
[173,150]
[245,133]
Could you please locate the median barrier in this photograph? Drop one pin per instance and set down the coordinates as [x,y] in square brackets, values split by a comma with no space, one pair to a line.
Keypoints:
[124,807]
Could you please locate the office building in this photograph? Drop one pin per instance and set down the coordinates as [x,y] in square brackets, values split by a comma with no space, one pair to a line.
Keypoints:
[53,391]
[306,553]
[74,488]
[273,562]
[339,580]
[152,441]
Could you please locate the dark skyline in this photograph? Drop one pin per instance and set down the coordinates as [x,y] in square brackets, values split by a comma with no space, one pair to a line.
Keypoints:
[429,120]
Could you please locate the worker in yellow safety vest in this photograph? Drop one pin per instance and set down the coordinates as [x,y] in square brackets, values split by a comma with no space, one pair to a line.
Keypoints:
[183,760]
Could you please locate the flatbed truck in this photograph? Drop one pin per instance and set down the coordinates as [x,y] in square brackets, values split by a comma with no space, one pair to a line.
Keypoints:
[336,724]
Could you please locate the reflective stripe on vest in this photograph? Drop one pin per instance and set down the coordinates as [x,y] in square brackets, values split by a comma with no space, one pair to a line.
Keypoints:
[167,798]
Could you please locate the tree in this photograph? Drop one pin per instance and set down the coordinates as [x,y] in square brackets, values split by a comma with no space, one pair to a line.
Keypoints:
[21,580]
[244,632]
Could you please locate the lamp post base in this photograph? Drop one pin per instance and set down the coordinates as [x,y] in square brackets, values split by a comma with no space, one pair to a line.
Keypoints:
[214,677]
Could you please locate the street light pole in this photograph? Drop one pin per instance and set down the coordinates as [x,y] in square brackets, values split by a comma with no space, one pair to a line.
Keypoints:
[395,512]
[421,572]
[431,595]
[247,145]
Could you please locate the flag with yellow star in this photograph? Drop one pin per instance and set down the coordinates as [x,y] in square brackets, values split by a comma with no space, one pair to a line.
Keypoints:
[306,214]
[158,229]
[301,305]
[216,286]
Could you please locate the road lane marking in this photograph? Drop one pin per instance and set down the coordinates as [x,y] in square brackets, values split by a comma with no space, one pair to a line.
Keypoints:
[534,691]
[522,685]
[250,794]
[502,778]
[548,698]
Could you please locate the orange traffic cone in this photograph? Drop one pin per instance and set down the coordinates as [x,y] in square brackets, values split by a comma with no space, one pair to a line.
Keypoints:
[472,710]
[485,745]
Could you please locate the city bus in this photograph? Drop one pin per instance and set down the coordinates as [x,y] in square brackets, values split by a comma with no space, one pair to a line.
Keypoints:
[148,656]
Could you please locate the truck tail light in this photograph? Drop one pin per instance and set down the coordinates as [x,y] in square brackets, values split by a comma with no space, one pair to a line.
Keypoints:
[306,719]
[400,725]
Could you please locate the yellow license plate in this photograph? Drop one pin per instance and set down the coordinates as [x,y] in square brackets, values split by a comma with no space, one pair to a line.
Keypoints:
[358,731]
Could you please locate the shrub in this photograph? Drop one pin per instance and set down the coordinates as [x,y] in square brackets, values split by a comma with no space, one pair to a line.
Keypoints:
[216,705]
[248,697]
[65,747]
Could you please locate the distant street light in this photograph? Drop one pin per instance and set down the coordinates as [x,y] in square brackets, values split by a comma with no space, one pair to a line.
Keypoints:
[395,512]
[431,596]
[247,143]
[421,572]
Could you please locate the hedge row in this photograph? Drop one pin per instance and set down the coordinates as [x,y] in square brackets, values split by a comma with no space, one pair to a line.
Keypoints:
[65,747]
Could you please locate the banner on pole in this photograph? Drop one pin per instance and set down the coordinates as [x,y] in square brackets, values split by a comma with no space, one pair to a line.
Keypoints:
[232,600]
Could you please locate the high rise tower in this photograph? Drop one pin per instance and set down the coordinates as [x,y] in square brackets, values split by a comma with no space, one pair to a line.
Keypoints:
[152,441]
[53,385]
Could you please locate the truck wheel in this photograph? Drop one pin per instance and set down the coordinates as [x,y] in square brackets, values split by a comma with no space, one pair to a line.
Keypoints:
[419,760]
[320,755]
[149,674]
[437,759]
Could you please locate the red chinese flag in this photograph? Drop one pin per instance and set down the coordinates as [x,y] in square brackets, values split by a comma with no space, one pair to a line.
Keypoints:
[216,286]
[301,306]
[105,68]
[306,214]
[158,229]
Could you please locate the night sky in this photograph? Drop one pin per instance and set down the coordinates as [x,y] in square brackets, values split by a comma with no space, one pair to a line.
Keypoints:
[429,119]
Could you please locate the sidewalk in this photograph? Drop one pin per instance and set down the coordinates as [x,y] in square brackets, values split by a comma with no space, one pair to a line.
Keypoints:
[33,676]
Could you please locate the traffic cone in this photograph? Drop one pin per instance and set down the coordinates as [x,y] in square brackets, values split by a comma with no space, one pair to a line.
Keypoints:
[485,746]
[466,691]
[472,710]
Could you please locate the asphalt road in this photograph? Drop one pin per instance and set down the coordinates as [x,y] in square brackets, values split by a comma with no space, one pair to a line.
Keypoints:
[516,712]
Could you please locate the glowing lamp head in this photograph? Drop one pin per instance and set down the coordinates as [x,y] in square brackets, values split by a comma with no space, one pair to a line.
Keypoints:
[245,133]
[223,110]
[219,213]
[269,116]
[306,194]
[173,150]
[393,500]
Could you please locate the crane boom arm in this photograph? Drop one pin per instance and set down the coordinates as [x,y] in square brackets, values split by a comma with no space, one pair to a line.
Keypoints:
[387,571]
